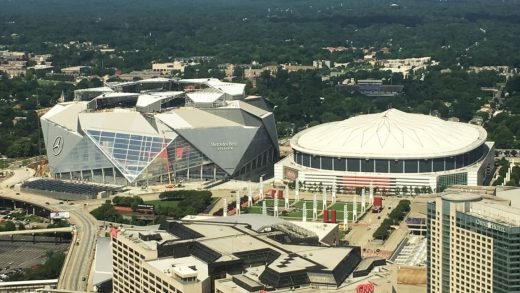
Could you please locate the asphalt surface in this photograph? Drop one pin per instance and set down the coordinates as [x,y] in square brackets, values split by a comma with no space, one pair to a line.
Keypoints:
[80,260]
[78,263]
[23,253]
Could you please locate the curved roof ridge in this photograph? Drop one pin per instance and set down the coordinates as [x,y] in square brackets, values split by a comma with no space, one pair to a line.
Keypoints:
[392,133]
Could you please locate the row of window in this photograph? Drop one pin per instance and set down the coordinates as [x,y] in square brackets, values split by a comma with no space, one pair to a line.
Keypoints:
[389,165]
[130,276]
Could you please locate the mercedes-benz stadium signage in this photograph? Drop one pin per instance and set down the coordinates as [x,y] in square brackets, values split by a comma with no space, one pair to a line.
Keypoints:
[490,225]
[224,145]
[146,206]
[57,145]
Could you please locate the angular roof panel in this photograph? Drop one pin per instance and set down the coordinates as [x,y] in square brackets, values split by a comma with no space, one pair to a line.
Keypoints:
[225,146]
[66,114]
[198,118]
[208,95]
[118,121]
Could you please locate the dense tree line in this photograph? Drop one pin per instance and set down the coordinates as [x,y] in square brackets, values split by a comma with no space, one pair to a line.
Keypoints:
[20,97]
[466,32]
[189,202]
[394,218]
[303,100]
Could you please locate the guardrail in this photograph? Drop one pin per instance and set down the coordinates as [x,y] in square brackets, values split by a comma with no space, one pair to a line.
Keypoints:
[36,231]
[67,259]
[18,286]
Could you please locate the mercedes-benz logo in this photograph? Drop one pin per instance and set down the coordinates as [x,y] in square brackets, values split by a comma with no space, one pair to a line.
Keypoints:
[57,146]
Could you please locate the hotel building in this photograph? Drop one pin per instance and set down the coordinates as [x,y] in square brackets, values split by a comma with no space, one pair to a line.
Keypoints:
[473,244]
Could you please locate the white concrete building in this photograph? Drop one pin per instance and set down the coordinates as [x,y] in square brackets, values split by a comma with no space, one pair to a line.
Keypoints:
[392,150]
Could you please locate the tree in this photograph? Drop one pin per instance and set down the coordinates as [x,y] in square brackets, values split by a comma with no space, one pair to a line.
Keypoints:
[105,212]
[9,226]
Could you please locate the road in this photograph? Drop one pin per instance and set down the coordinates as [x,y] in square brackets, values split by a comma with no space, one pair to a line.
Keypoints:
[361,234]
[78,263]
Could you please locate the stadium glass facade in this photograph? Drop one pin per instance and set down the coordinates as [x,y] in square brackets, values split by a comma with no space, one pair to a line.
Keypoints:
[146,141]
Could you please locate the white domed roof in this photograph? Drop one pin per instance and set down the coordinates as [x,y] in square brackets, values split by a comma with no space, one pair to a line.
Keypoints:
[390,134]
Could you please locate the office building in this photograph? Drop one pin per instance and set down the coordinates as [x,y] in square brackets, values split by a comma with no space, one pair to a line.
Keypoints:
[473,244]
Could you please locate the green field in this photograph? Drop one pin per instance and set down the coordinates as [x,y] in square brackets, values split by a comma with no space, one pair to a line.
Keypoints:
[296,208]
[163,203]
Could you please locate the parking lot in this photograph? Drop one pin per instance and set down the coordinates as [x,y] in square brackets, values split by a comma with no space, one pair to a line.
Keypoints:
[25,253]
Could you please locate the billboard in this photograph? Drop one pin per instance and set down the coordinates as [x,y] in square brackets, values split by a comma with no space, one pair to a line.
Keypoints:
[59,215]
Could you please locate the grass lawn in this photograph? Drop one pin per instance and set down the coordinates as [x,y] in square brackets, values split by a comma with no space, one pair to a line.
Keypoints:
[270,203]
[163,203]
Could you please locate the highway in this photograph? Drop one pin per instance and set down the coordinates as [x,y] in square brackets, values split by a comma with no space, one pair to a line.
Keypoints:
[77,264]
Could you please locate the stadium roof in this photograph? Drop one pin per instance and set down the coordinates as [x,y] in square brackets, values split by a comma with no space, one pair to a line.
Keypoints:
[390,134]
[96,89]
[208,95]
[65,114]
[150,98]
[233,89]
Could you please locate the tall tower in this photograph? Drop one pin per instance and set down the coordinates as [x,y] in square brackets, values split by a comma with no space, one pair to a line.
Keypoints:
[315,208]
[275,206]
[238,203]
[261,186]
[345,217]
[324,199]
[469,241]
[334,191]
[297,190]
[304,212]
[286,197]
[363,203]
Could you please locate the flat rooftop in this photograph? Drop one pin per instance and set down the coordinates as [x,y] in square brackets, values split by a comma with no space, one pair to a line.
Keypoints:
[217,242]
[492,210]
[181,265]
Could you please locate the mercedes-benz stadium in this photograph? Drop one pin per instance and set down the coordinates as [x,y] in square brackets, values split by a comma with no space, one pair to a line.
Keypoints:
[391,150]
[161,131]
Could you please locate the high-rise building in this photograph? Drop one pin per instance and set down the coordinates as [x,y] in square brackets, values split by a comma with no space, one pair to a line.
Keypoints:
[473,244]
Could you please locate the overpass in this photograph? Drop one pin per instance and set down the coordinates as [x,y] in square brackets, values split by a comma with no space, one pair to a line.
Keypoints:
[79,257]
[27,286]
[37,231]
